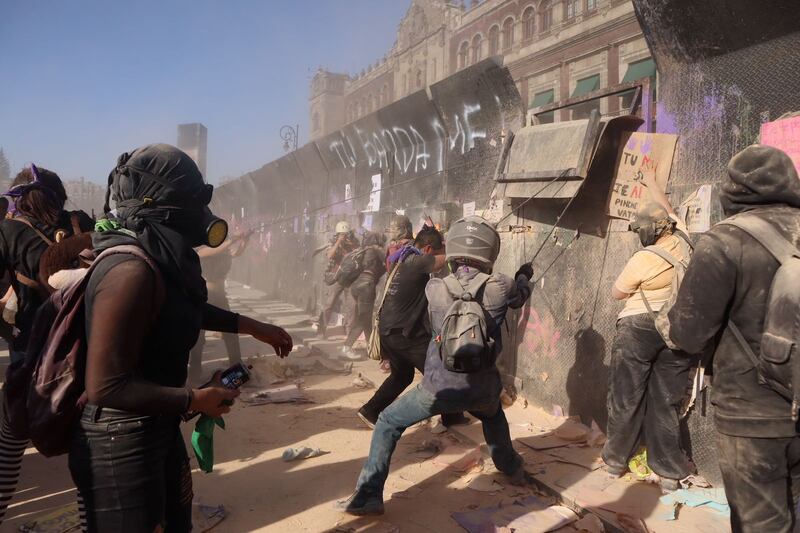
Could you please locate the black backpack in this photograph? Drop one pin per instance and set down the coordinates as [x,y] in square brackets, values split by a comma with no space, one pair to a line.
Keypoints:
[351,266]
[777,363]
[465,342]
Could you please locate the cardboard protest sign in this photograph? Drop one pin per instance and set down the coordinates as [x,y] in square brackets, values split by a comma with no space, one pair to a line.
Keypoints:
[641,155]
[784,135]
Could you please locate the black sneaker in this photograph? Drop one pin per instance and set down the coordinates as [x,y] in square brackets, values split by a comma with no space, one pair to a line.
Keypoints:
[367,419]
[360,504]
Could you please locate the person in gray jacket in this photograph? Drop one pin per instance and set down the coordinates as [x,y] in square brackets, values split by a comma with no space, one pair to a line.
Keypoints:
[472,248]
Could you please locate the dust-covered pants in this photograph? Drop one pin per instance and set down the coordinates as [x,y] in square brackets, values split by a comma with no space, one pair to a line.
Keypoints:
[762,482]
[217,298]
[419,404]
[647,384]
[363,292]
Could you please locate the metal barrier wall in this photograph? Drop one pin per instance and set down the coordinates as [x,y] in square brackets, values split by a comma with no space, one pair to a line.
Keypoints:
[436,150]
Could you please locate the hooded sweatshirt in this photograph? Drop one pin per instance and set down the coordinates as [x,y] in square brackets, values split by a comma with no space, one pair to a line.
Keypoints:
[763,182]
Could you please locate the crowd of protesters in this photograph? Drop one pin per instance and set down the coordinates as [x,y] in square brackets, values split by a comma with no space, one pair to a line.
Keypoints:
[151,277]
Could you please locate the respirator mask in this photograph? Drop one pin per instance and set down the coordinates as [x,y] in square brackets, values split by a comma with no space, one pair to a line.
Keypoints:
[190,216]
[646,232]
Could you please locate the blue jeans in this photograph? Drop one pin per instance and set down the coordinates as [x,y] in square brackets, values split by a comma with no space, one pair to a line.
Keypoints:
[419,404]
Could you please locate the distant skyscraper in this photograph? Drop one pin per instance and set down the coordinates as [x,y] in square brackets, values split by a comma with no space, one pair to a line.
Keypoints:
[193,139]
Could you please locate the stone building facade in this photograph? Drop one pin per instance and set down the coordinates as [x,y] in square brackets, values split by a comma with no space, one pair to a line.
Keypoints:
[555,49]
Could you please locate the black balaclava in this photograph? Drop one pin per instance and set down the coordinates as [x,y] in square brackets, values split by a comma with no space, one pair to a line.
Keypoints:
[759,176]
[161,205]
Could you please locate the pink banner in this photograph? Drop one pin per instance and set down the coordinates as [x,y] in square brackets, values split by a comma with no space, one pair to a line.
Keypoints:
[784,134]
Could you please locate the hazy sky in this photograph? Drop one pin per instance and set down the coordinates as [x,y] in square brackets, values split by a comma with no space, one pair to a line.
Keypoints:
[82,81]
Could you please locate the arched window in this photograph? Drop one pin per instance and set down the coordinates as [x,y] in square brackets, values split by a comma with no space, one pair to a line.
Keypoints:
[463,51]
[477,44]
[528,23]
[508,33]
[591,4]
[420,78]
[494,40]
[546,16]
[571,8]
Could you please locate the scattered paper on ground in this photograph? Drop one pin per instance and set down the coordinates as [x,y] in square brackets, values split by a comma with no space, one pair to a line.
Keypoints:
[525,514]
[287,394]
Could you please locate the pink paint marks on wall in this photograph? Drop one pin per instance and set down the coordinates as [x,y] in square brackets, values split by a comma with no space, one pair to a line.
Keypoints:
[785,135]
[539,335]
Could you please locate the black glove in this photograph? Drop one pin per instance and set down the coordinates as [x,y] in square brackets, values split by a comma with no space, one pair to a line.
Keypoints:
[525,270]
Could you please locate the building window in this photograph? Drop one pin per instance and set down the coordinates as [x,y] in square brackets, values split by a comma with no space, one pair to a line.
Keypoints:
[494,40]
[419,78]
[571,10]
[545,16]
[508,33]
[477,43]
[370,104]
[591,5]
[463,50]
[528,23]
[315,121]
[434,69]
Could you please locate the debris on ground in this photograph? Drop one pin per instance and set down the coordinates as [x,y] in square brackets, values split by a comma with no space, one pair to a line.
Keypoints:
[363,382]
[526,514]
[572,431]
[588,458]
[206,517]
[638,465]
[589,524]
[428,449]
[287,394]
[484,483]
[695,480]
[293,454]
[713,498]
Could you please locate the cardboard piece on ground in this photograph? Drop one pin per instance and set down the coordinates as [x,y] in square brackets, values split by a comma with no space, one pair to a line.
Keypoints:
[640,153]
[459,458]
[526,514]
[484,483]
[544,442]
[785,135]
[578,480]
[588,458]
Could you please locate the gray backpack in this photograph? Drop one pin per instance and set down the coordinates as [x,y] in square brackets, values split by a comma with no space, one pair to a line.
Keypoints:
[777,363]
[465,343]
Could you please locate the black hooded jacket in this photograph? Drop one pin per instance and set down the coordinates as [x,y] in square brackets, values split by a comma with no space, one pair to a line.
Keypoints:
[729,278]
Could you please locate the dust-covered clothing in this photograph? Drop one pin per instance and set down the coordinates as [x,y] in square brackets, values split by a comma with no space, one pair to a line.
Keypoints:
[498,295]
[652,274]
[762,481]
[363,292]
[406,306]
[729,279]
[645,396]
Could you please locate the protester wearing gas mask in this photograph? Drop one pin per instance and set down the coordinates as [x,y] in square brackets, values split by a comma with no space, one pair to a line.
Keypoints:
[143,316]
[648,381]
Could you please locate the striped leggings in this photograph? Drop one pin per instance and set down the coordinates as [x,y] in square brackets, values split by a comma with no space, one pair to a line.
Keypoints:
[11,451]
